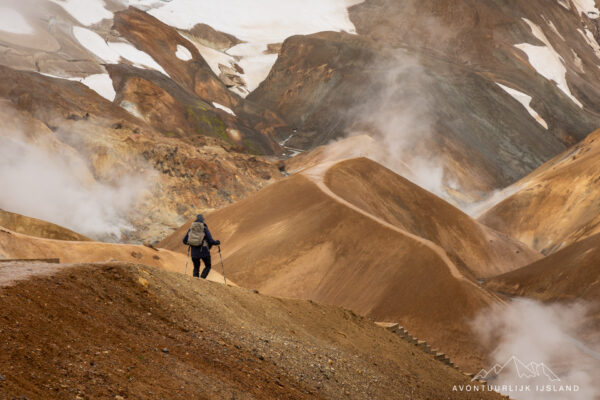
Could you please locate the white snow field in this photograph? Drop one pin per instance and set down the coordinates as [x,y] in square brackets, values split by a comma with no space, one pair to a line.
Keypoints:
[222,107]
[257,23]
[214,58]
[547,61]
[525,100]
[587,7]
[13,22]
[88,12]
[183,53]
[111,52]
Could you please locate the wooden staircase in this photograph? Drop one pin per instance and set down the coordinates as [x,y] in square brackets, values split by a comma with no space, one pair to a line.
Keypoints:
[426,348]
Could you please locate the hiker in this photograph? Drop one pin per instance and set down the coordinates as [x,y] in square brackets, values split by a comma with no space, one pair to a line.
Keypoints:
[200,240]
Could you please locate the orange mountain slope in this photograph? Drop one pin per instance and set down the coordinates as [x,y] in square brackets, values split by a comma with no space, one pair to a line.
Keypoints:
[571,273]
[557,204]
[480,250]
[297,238]
[36,227]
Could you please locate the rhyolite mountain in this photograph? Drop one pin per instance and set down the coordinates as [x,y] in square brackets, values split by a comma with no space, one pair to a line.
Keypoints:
[431,71]
[483,91]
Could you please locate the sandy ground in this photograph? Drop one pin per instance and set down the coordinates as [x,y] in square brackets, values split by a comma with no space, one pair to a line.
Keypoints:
[105,330]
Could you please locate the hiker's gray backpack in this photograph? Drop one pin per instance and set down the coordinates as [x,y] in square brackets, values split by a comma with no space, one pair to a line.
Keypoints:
[196,235]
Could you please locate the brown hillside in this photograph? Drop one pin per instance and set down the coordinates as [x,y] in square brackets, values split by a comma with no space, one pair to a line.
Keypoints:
[557,204]
[292,239]
[36,227]
[381,192]
[67,118]
[569,274]
[107,330]
[572,274]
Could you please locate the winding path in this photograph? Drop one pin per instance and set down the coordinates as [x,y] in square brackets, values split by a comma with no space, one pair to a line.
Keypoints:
[316,174]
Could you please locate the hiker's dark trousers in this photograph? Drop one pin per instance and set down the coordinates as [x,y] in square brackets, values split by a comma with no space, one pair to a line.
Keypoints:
[196,262]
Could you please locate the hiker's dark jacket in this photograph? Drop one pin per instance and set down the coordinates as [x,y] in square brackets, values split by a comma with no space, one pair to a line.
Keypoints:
[204,250]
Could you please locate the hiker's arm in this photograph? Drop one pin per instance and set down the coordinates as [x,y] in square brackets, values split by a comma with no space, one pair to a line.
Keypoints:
[209,238]
[185,239]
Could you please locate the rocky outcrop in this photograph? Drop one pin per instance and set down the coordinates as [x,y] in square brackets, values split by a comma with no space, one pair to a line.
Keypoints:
[200,173]
[427,74]
[191,91]
[176,112]
[208,36]
[161,41]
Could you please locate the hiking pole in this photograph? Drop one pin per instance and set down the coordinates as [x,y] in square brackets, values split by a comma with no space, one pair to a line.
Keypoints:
[187,259]
[222,266]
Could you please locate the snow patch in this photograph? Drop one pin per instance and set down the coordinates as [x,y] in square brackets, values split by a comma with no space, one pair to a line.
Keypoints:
[137,57]
[13,22]
[101,84]
[546,61]
[565,4]
[183,53]
[112,52]
[525,100]
[94,43]
[587,7]
[222,107]
[261,23]
[87,12]
[214,58]
[255,63]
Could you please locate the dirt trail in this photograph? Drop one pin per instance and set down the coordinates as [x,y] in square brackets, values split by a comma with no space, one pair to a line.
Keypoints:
[12,272]
[316,175]
[15,245]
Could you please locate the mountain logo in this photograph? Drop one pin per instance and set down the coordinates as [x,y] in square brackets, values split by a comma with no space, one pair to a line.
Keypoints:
[521,369]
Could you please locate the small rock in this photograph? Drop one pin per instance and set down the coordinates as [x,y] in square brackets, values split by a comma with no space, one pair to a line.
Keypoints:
[117,397]
[165,350]
[2,378]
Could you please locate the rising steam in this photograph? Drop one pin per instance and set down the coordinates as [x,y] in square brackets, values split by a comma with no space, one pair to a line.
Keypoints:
[542,334]
[401,117]
[59,188]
